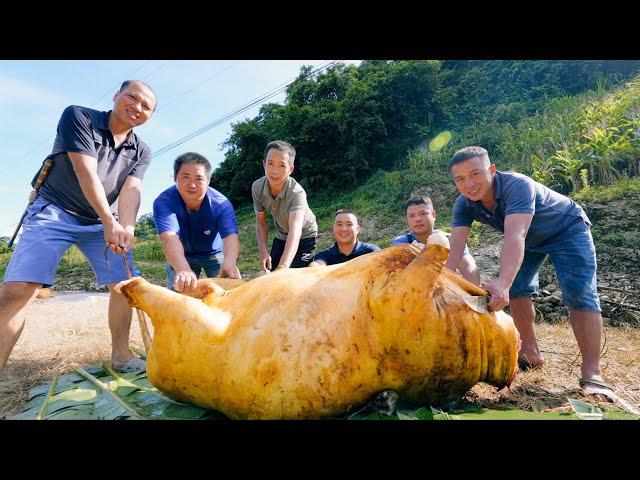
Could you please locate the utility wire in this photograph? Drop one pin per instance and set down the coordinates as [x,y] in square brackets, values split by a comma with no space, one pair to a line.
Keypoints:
[27,155]
[272,93]
[111,90]
[92,105]
[192,89]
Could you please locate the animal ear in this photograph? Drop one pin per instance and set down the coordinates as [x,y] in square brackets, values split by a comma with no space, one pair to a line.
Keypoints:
[423,272]
[204,288]
[438,238]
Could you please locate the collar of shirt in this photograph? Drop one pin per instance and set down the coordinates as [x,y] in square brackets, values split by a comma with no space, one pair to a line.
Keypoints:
[267,191]
[497,187]
[355,248]
[102,123]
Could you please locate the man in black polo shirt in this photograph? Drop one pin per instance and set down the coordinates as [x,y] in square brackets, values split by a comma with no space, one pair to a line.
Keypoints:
[90,198]
[347,246]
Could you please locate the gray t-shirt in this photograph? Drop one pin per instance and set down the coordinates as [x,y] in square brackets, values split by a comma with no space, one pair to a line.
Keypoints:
[84,130]
[553,213]
[291,199]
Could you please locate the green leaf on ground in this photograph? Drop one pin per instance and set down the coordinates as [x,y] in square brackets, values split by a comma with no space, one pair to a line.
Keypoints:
[585,411]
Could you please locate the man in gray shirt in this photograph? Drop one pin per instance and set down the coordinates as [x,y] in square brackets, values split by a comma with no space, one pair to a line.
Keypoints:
[536,222]
[90,198]
[283,197]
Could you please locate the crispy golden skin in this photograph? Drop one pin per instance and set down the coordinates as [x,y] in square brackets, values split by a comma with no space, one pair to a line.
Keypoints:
[311,342]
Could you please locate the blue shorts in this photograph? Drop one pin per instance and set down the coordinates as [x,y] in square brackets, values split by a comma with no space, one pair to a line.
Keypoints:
[574,257]
[211,266]
[47,233]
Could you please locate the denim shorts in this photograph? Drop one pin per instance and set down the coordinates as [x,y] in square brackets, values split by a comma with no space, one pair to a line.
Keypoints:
[47,233]
[211,266]
[574,257]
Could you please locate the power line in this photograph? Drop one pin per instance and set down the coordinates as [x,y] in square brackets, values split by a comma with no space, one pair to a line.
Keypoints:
[9,226]
[118,85]
[266,96]
[193,88]
[94,103]
[272,93]
[105,105]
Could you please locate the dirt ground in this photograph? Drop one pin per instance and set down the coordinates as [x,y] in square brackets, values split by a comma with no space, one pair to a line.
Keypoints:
[59,331]
[72,328]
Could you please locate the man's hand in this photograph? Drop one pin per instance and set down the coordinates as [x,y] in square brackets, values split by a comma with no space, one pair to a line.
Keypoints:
[265,261]
[185,281]
[229,271]
[499,295]
[129,233]
[282,267]
[418,244]
[118,239]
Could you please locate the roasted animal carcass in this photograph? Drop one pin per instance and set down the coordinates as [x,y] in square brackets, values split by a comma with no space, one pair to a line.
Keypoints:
[313,342]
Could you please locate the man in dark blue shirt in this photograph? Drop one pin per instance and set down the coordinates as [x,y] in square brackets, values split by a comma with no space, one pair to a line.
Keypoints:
[536,222]
[90,198]
[421,218]
[347,246]
[189,216]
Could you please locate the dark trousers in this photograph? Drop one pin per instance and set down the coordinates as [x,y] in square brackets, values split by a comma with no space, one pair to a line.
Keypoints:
[303,257]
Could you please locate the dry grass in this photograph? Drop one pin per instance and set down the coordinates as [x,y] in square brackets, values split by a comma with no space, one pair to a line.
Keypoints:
[58,332]
[547,388]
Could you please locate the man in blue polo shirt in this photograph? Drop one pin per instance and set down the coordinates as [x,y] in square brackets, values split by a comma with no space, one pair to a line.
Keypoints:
[421,218]
[536,222]
[347,246]
[189,216]
[90,198]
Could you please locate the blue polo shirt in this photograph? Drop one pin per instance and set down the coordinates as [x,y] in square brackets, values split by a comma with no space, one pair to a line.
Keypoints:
[409,237]
[84,130]
[197,230]
[553,213]
[333,255]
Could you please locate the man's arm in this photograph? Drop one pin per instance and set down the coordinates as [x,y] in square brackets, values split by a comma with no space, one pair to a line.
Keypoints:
[457,242]
[318,263]
[128,206]
[516,227]
[296,220]
[469,269]
[231,249]
[86,170]
[185,279]
[262,232]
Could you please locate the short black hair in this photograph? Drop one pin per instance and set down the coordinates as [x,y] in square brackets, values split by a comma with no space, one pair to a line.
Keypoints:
[418,200]
[346,210]
[467,153]
[191,158]
[284,147]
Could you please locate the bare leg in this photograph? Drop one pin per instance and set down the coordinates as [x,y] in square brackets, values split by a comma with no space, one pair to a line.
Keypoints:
[587,327]
[119,324]
[14,299]
[523,316]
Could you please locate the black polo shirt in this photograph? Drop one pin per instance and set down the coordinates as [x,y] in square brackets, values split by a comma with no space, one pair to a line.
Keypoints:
[332,255]
[84,130]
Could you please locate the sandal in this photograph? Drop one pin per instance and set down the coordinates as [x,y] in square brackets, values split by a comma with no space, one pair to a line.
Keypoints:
[135,365]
